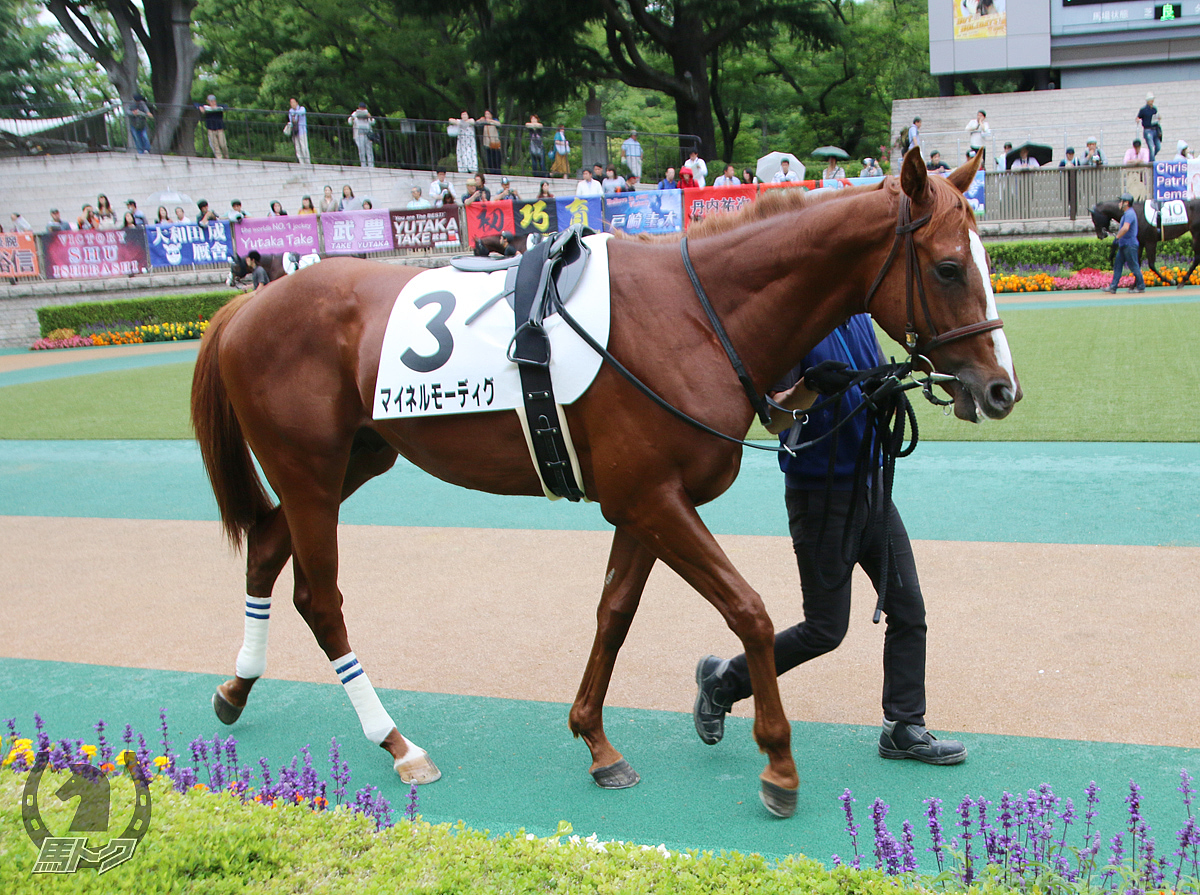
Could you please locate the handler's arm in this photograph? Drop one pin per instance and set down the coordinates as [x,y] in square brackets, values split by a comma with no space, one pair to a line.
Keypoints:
[798,397]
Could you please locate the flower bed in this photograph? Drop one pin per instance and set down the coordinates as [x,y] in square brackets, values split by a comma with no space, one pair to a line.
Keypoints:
[1087,278]
[146,332]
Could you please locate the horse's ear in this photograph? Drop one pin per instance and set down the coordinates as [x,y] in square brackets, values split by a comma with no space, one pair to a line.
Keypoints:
[963,176]
[914,177]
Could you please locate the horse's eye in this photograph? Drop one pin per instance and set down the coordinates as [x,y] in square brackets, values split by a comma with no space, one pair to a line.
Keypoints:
[949,271]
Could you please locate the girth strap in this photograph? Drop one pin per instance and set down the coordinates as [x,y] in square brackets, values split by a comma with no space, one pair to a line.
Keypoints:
[530,350]
[756,400]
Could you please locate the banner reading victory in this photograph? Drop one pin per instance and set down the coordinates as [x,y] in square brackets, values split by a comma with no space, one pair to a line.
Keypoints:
[172,245]
[274,236]
[18,255]
[354,232]
[426,228]
[83,254]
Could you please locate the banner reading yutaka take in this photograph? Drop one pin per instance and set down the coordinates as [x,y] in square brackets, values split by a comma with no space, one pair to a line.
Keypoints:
[274,236]
[92,254]
[353,232]
[18,255]
[425,228]
[172,245]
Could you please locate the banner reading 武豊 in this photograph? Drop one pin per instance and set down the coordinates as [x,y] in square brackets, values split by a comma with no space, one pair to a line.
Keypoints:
[650,211]
[172,245]
[83,254]
[425,228]
[353,232]
[274,236]
[18,255]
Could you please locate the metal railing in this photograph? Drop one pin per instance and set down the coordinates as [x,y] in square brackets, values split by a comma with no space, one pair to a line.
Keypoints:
[411,143]
[1061,193]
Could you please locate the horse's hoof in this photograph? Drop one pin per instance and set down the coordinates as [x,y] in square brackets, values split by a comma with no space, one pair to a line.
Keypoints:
[779,801]
[226,711]
[619,775]
[417,769]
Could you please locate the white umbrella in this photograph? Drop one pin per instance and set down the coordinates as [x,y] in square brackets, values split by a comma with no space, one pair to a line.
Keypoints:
[170,198]
[769,164]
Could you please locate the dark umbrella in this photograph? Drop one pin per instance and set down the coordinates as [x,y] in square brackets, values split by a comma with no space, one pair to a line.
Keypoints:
[1043,154]
[830,151]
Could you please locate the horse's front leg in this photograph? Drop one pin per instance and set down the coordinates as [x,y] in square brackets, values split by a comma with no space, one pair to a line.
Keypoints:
[670,523]
[629,565]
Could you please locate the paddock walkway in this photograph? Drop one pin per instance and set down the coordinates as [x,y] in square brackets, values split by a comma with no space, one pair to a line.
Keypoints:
[1060,580]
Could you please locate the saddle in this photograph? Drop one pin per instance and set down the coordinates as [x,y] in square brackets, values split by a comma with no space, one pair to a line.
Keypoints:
[544,278]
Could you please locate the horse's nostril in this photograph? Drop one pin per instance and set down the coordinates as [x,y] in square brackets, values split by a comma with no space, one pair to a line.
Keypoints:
[1000,394]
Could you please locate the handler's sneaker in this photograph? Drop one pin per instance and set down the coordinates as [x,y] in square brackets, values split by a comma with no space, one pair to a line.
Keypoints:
[708,713]
[902,740]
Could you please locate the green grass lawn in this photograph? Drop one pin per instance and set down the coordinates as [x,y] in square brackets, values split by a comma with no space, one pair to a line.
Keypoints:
[1118,373]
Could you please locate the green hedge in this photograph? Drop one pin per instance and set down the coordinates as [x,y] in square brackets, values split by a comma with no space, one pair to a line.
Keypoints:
[1075,254]
[151,309]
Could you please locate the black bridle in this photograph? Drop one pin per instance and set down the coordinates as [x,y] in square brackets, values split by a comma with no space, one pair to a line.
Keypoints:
[905,228]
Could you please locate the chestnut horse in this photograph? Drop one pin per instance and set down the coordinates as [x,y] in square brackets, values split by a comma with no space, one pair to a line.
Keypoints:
[290,374]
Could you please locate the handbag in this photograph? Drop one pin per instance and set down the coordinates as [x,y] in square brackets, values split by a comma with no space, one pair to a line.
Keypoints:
[452,130]
[287,129]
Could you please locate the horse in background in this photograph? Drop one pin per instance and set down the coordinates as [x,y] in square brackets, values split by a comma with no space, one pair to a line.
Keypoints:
[1107,214]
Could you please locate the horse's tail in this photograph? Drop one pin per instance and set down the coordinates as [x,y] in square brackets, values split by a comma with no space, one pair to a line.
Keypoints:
[240,495]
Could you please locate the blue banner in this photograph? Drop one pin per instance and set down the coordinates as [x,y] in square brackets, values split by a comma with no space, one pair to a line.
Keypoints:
[579,210]
[173,245]
[651,211]
[1170,180]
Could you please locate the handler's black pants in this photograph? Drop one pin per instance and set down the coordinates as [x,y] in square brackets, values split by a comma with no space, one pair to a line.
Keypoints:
[827,610]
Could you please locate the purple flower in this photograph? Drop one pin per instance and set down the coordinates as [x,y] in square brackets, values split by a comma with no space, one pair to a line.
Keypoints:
[410,810]
[887,850]
[932,808]
[1185,787]
[851,827]
[908,856]
[166,742]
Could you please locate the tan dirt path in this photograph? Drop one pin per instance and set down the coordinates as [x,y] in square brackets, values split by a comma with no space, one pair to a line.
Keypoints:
[10,362]
[1082,642]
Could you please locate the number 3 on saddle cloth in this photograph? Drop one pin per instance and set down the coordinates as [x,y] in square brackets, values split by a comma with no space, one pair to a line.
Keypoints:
[450,346]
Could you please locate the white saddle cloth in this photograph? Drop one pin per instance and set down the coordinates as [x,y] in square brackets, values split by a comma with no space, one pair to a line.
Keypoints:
[432,363]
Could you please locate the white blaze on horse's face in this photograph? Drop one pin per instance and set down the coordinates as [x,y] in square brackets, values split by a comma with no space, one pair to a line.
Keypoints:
[999,340]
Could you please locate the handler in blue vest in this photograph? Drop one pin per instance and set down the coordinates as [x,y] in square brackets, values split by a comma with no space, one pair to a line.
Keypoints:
[817,526]
[1127,248]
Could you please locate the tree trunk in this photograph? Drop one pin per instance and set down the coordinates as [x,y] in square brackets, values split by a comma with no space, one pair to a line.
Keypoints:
[693,108]
[173,54]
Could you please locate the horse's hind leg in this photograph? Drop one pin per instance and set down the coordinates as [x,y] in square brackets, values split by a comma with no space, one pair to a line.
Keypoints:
[629,566]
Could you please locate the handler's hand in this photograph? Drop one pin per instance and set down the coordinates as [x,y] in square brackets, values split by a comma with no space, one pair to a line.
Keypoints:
[798,397]
[829,377]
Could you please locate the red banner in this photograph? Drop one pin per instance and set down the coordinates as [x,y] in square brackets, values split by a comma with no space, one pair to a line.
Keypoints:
[83,254]
[709,200]
[18,255]
[489,219]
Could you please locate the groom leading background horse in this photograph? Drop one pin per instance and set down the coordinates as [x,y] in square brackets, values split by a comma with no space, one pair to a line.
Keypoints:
[1105,214]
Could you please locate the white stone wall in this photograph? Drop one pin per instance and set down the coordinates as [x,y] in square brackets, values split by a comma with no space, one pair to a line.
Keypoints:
[33,186]
[1058,118]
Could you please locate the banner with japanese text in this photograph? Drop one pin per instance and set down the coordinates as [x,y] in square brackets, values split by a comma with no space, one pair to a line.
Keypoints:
[274,236]
[709,200]
[489,219]
[92,254]
[354,232]
[425,228]
[172,245]
[18,255]
[649,211]
[535,216]
[585,211]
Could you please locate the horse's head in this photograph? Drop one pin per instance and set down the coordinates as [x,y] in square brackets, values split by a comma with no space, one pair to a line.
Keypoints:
[1100,220]
[950,316]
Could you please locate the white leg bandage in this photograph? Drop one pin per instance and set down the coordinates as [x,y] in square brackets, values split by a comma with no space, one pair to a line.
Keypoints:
[252,658]
[376,722]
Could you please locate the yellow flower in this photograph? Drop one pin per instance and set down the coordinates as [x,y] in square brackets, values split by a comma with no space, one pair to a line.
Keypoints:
[89,751]
[162,761]
[126,755]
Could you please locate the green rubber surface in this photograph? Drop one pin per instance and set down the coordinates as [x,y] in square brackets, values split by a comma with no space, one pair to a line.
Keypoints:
[510,764]
[1058,493]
